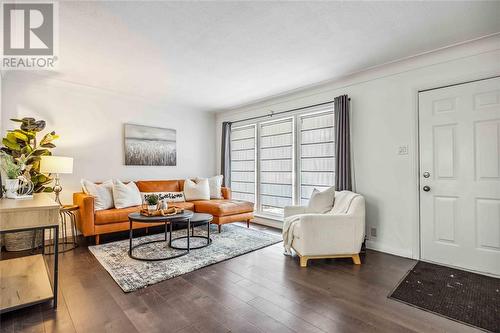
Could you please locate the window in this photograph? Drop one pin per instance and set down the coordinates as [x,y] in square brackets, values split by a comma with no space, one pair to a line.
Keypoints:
[243,163]
[317,151]
[277,163]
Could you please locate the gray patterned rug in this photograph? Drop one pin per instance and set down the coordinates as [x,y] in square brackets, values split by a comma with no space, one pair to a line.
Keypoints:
[131,274]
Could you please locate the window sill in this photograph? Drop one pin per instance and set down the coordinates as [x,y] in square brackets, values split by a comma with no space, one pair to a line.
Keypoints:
[269,221]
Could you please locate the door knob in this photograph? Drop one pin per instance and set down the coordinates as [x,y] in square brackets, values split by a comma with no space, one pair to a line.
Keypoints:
[426,188]
[426,174]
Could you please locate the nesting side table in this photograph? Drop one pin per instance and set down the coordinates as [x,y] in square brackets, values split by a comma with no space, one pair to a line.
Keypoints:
[66,214]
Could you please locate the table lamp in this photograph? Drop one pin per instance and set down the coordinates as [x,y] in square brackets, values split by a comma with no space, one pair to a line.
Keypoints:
[56,165]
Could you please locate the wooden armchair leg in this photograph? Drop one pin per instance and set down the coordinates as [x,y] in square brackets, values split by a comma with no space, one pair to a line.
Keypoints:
[219,228]
[355,259]
[248,223]
[96,239]
[303,261]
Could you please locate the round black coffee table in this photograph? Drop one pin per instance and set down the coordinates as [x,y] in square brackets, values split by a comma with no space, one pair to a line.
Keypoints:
[198,219]
[185,217]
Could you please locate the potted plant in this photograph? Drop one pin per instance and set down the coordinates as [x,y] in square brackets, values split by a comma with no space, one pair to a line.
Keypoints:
[12,170]
[152,202]
[25,149]
[23,145]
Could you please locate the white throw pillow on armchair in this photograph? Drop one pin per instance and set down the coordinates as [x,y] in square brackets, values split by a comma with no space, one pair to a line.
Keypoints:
[126,195]
[321,202]
[196,190]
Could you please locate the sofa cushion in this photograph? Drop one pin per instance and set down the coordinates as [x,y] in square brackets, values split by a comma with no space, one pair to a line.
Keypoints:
[185,205]
[114,215]
[158,185]
[223,207]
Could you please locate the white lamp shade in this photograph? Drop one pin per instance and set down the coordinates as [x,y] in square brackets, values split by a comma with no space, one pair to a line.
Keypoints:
[56,164]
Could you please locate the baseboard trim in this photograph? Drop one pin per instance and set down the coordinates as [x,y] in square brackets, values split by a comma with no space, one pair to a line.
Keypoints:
[386,249]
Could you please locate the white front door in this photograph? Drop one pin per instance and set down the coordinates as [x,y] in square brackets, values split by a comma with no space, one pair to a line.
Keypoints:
[460,175]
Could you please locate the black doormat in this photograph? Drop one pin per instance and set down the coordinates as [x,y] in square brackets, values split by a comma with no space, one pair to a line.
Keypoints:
[469,298]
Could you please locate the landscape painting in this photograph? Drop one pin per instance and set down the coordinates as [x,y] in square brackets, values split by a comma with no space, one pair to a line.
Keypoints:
[145,145]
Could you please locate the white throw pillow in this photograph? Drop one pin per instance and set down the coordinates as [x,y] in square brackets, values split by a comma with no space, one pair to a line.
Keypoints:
[126,195]
[169,196]
[215,184]
[196,191]
[102,193]
[321,202]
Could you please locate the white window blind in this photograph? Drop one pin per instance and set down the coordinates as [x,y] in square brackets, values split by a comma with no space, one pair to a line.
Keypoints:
[317,150]
[276,165]
[243,163]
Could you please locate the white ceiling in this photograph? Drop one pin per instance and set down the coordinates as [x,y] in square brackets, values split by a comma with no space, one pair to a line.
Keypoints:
[216,55]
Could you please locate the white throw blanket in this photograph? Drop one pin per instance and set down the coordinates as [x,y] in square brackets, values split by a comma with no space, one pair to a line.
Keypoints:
[342,203]
[288,226]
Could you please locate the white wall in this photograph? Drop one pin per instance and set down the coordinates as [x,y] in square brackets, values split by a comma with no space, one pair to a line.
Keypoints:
[384,116]
[1,104]
[90,123]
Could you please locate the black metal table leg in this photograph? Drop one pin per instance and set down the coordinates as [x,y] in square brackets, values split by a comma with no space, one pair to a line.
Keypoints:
[43,240]
[170,240]
[56,264]
[130,236]
[187,231]
[208,232]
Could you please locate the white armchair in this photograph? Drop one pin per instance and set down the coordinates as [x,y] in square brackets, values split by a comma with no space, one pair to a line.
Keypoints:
[336,234]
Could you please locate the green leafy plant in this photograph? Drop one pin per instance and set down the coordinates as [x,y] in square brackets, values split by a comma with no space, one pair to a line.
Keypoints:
[9,166]
[151,199]
[26,150]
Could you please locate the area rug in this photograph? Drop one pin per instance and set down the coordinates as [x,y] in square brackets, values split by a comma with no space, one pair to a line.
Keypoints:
[469,298]
[131,274]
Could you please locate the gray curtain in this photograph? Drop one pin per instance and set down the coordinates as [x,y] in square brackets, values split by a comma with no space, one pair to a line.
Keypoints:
[343,174]
[225,165]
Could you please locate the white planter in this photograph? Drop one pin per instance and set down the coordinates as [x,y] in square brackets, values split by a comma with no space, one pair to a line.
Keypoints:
[151,208]
[11,187]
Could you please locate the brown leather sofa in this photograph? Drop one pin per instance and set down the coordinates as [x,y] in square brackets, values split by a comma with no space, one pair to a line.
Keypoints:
[95,223]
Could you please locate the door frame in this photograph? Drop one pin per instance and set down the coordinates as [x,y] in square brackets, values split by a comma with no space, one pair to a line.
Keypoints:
[415,162]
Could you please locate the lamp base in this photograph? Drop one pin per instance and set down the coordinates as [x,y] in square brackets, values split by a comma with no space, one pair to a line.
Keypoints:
[57,189]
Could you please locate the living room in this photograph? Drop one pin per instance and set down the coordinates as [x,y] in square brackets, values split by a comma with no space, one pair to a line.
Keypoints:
[328,158]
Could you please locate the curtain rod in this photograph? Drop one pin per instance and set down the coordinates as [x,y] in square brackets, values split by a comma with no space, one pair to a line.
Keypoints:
[281,112]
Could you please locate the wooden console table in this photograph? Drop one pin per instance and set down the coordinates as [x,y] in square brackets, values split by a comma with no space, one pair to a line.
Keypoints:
[26,281]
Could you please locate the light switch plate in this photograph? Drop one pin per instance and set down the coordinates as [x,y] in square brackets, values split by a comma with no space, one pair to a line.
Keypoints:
[403,150]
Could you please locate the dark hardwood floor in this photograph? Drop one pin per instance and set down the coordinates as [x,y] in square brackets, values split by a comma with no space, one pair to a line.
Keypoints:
[263,291]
